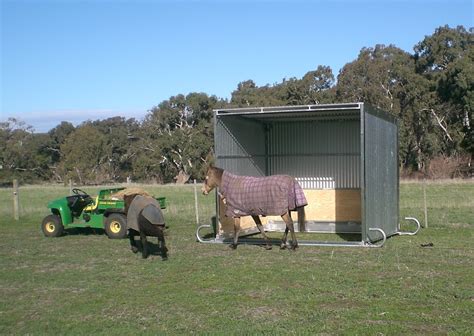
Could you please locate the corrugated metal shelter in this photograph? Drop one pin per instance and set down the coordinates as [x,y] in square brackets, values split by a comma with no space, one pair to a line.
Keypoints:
[345,157]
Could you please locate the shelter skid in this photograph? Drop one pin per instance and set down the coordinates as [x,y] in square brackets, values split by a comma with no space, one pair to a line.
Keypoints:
[345,156]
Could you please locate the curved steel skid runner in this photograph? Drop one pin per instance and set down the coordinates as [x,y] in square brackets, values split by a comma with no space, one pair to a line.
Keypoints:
[375,243]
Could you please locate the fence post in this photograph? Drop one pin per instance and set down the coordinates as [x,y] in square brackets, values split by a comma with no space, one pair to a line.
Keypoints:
[70,186]
[424,203]
[16,201]
[196,203]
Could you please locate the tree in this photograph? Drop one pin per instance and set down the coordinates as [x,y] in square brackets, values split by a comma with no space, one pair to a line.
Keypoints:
[175,138]
[58,136]
[315,87]
[376,77]
[117,132]
[84,156]
[22,153]
[446,60]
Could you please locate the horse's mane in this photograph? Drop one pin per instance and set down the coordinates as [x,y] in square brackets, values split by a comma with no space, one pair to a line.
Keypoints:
[218,171]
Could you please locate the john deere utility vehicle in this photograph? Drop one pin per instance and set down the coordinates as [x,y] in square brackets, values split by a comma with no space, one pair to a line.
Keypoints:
[81,210]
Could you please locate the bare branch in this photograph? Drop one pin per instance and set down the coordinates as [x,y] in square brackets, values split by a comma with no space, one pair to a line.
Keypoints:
[441,123]
[387,91]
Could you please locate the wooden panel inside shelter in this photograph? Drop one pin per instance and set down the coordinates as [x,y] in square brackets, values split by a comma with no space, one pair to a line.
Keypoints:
[324,205]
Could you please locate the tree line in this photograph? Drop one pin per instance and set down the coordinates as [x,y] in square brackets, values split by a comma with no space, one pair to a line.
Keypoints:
[430,91]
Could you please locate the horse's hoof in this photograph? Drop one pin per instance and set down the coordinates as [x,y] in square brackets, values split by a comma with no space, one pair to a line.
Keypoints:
[268,247]
[283,247]
[294,247]
[134,249]
[233,246]
[164,258]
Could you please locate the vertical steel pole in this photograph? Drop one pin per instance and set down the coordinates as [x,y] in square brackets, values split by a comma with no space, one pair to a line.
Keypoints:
[70,186]
[16,201]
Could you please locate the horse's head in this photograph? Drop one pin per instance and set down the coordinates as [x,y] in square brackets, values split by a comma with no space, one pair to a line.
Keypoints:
[213,179]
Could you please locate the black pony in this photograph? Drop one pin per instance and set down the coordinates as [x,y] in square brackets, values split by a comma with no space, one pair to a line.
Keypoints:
[144,218]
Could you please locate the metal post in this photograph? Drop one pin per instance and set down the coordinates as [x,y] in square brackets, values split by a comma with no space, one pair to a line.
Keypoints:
[16,201]
[70,186]
[424,200]
[196,203]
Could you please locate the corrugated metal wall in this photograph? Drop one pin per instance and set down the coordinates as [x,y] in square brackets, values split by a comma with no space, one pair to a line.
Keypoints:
[240,146]
[320,154]
[380,172]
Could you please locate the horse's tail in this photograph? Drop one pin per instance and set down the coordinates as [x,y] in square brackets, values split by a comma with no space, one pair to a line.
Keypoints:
[301,219]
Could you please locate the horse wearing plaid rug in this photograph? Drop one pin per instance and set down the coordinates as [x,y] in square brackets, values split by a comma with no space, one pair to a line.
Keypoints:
[275,195]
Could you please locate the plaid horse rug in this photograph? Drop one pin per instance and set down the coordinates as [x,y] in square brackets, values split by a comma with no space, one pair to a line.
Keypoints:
[261,196]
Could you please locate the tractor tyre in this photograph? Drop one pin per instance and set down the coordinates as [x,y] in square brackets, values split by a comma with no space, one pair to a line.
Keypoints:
[115,226]
[52,226]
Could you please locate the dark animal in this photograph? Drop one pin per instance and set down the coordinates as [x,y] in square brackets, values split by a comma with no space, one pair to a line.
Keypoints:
[144,218]
[275,195]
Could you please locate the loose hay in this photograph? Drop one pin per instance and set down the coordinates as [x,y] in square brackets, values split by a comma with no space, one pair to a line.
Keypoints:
[129,191]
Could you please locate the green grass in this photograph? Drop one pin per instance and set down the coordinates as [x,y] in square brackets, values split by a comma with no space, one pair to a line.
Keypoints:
[85,283]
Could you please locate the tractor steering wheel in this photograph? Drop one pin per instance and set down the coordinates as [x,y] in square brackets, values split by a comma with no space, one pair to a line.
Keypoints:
[82,195]
[79,192]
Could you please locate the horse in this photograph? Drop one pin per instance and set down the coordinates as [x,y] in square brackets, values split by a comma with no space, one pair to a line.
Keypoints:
[275,195]
[144,218]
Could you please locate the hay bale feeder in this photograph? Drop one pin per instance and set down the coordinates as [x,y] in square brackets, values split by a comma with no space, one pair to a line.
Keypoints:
[345,156]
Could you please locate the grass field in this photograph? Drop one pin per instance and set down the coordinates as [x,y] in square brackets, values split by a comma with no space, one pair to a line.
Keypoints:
[85,283]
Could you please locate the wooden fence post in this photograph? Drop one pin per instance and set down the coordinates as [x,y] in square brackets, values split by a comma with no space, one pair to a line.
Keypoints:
[16,201]
[196,203]
[424,201]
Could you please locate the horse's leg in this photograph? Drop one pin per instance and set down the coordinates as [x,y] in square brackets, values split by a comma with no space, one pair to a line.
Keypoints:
[162,244]
[289,224]
[236,232]
[260,228]
[283,239]
[133,243]
[144,244]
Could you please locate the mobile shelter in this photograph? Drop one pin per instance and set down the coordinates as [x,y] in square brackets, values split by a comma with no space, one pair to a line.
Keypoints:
[345,156]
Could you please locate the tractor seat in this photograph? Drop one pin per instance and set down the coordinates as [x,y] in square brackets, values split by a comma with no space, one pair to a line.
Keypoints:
[92,206]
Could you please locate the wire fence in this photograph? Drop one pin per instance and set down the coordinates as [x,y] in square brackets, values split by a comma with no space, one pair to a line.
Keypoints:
[436,204]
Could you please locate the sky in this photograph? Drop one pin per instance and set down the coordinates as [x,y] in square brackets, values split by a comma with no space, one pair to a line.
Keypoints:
[77,60]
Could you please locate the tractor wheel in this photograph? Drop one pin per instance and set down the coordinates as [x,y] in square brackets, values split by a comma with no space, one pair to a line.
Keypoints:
[115,226]
[52,226]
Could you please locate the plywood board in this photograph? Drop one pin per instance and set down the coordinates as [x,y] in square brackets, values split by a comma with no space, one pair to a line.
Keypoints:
[338,205]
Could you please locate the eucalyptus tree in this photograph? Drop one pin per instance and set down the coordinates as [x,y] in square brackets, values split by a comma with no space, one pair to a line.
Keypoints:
[117,132]
[175,138]
[84,156]
[446,60]
[23,154]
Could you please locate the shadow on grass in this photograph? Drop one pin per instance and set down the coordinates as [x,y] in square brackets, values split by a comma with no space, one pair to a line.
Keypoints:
[153,248]
[84,232]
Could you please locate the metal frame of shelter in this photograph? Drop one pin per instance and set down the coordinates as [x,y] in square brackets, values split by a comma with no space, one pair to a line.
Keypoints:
[341,146]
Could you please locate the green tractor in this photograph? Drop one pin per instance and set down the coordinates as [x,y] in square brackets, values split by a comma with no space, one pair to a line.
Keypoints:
[80,210]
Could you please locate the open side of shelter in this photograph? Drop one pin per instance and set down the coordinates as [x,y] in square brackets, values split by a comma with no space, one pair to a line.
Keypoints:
[345,156]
